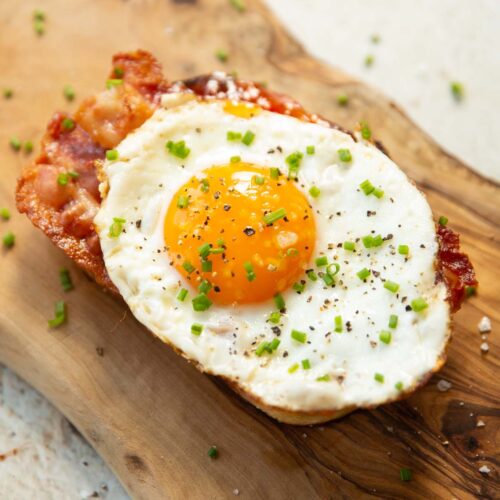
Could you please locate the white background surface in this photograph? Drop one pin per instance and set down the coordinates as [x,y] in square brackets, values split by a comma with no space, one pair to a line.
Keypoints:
[424,45]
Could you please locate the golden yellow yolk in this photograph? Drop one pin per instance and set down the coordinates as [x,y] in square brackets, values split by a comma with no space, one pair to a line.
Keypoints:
[217,229]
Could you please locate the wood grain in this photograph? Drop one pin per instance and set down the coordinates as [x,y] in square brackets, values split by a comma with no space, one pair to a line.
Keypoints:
[151,415]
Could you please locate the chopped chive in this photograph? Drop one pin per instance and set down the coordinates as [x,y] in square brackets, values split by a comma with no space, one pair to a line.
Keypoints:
[342,99]
[181,296]
[8,239]
[378,193]
[366,133]
[204,250]
[39,26]
[65,279]
[457,90]
[310,150]
[178,149]
[469,290]
[215,251]
[213,452]
[377,241]
[323,378]
[367,241]
[250,272]
[15,143]
[39,15]
[28,147]
[259,180]
[314,191]
[279,301]
[379,378]
[419,304]
[233,136]
[220,242]
[405,474]
[196,329]
[274,173]
[4,213]
[306,364]
[321,261]
[116,228]
[367,187]
[299,287]
[201,302]
[443,220]
[68,124]
[292,252]
[188,267]
[338,324]
[235,159]
[274,344]
[182,202]
[393,321]
[299,336]
[275,317]
[63,179]
[8,93]
[385,337]
[391,286]
[399,386]
[312,275]
[239,5]
[293,161]
[111,154]
[403,249]
[349,245]
[113,82]
[74,175]
[59,316]
[261,348]
[272,217]
[69,92]
[204,287]
[330,269]
[363,274]
[118,72]
[206,266]
[293,368]
[205,186]
[222,55]
[375,38]
[327,278]
[345,155]
[369,59]
[248,138]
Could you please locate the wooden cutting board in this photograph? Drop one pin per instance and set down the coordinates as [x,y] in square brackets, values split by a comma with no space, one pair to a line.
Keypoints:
[151,415]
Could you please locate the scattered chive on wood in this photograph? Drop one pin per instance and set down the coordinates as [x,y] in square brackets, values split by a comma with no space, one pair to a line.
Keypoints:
[15,143]
[28,147]
[213,452]
[9,239]
[222,55]
[366,133]
[239,5]
[342,99]
[4,213]
[65,279]
[405,474]
[59,314]
[8,93]
[69,92]
[443,221]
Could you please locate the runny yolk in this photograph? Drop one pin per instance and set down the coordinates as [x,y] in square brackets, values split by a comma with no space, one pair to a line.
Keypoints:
[218,229]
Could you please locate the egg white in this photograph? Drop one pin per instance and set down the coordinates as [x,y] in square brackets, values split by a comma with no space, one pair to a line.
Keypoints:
[141,185]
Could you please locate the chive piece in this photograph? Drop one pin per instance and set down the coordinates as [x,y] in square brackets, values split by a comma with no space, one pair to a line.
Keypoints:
[342,99]
[181,296]
[312,275]
[377,241]
[222,55]
[469,290]
[314,191]
[457,90]
[215,251]
[275,317]
[299,287]
[15,143]
[239,5]
[204,250]
[272,217]
[338,324]
[8,93]
[366,133]
[405,474]
[363,274]
[201,302]
[310,150]
[259,180]
[38,15]
[261,348]
[367,187]
[419,304]
[393,321]
[443,220]
[293,368]
[9,239]
[178,149]
[113,82]
[39,26]
[379,378]
[204,287]
[188,267]
[349,245]
[182,202]
[116,228]
[375,38]
[63,179]
[377,192]
[403,249]
[330,267]
[65,279]
[274,173]
[68,124]
[327,278]
[367,241]
[118,72]
[369,59]
[74,175]
[196,329]
[321,261]
[345,155]
[324,378]
[4,213]
[213,452]
[299,336]
[279,302]
[111,154]
[205,186]
[399,386]
[59,316]
[385,337]
[220,242]
[233,136]
[206,266]
[235,159]
[248,138]
[292,252]
[28,147]
[391,286]
[250,272]
[293,161]
[69,92]
[274,344]
[306,364]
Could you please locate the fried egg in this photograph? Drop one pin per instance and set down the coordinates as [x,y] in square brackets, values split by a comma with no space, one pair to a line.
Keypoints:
[287,257]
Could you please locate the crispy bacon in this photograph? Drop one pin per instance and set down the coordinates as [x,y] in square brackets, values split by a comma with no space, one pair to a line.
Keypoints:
[65,212]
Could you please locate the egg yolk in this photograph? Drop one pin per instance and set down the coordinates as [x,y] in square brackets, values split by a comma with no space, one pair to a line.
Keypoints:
[240,233]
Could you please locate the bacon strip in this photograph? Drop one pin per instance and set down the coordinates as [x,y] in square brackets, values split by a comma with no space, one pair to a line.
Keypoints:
[65,213]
